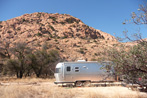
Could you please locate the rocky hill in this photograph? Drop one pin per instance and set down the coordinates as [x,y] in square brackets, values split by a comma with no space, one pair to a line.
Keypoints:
[69,35]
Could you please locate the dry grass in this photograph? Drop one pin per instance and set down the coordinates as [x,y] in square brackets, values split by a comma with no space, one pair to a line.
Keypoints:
[44,88]
[7,79]
[36,91]
[113,92]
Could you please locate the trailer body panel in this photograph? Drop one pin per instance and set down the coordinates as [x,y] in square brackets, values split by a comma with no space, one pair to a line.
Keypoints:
[70,72]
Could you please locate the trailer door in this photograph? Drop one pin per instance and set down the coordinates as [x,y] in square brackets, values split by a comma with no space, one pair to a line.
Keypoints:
[68,73]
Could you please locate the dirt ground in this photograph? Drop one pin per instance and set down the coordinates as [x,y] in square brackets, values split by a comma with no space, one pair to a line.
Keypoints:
[37,88]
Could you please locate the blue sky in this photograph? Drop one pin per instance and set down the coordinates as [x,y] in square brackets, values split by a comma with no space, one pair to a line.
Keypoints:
[105,15]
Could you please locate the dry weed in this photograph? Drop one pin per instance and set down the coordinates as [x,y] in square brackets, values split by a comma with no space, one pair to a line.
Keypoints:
[44,88]
[113,92]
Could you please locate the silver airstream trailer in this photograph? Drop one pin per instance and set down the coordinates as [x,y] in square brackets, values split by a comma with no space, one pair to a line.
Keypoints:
[82,73]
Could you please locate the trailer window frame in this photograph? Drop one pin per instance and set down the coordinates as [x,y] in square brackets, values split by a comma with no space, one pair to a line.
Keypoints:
[68,68]
[77,69]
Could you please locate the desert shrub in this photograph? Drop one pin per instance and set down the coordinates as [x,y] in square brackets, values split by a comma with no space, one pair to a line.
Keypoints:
[79,42]
[58,37]
[50,45]
[21,32]
[57,48]
[39,34]
[56,40]
[51,36]
[39,15]
[52,27]
[73,25]
[66,41]
[23,20]
[62,23]
[93,59]
[72,20]
[81,51]
[131,63]
[40,28]
[78,34]
[1,26]
[78,45]
[94,41]
[9,31]
[65,36]
[95,54]
[18,28]
[53,18]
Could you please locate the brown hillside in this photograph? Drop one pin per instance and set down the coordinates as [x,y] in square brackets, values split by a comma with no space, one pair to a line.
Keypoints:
[69,35]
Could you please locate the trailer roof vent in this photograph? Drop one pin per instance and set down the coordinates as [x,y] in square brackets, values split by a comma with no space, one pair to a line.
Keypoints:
[81,61]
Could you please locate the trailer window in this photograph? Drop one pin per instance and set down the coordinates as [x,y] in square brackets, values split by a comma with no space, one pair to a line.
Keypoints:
[57,70]
[76,69]
[68,68]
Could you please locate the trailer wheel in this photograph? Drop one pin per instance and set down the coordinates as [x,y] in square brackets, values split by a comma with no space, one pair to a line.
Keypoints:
[78,83]
[87,84]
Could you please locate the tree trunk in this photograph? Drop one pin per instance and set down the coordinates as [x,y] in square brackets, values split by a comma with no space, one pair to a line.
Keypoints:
[37,75]
[17,74]
[20,74]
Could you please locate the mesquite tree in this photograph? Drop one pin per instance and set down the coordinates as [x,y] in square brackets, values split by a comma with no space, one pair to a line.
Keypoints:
[132,62]
[18,62]
[40,61]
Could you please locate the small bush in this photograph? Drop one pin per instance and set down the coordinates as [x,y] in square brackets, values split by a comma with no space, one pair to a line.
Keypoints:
[79,42]
[39,15]
[66,41]
[53,18]
[9,32]
[50,45]
[21,32]
[56,40]
[23,20]
[71,20]
[18,28]
[95,54]
[94,40]
[57,48]
[39,34]
[93,59]
[65,36]
[1,26]
[78,34]
[81,51]
[63,23]
[51,36]
[52,27]
[58,37]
